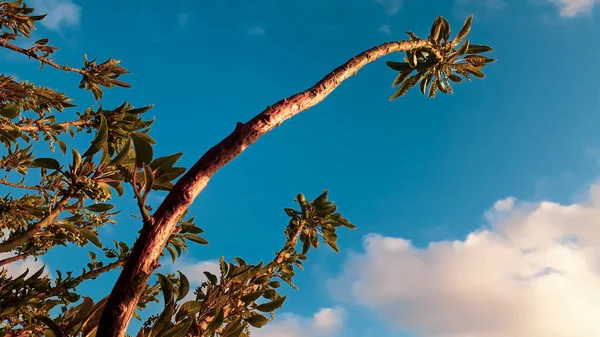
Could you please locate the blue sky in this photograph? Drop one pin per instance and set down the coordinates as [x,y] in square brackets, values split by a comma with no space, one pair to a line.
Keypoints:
[428,171]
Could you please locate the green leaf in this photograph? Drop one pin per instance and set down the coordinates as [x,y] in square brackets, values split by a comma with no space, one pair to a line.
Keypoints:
[122,155]
[76,159]
[478,60]
[445,30]
[178,330]
[401,77]
[211,277]
[90,236]
[47,163]
[398,66]
[172,252]
[464,31]
[184,286]
[167,288]
[455,78]
[148,178]
[253,296]
[261,279]
[10,111]
[166,161]
[62,145]
[190,307]
[100,207]
[407,85]
[464,48]
[143,149]
[412,58]
[163,319]
[478,49]
[257,321]
[84,309]
[100,140]
[424,82]
[196,239]
[37,274]
[436,29]
[51,324]
[271,306]
[41,42]
[274,284]
[217,320]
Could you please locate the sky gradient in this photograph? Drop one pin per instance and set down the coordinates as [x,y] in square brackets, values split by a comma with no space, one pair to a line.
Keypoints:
[462,202]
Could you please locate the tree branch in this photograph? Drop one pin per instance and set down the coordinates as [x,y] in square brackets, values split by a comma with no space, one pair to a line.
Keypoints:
[80,279]
[27,187]
[43,60]
[143,260]
[13,259]
[13,242]
[43,127]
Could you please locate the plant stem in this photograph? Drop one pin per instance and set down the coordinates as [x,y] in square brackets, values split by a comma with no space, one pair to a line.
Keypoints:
[43,60]
[13,242]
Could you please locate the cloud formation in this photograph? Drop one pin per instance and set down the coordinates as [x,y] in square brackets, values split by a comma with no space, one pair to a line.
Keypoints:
[256,30]
[570,8]
[534,271]
[60,13]
[385,29]
[183,19]
[325,322]
[391,7]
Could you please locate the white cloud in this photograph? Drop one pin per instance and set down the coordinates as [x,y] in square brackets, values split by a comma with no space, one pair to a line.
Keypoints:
[325,322]
[570,8]
[60,13]
[534,272]
[183,19]
[385,29]
[391,7]
[256,30]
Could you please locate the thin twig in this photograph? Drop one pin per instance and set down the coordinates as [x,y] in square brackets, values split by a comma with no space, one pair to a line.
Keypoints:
[3,181]
[43,60]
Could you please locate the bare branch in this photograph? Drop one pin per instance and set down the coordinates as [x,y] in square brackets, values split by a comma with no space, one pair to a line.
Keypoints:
[143,260]
[13,259]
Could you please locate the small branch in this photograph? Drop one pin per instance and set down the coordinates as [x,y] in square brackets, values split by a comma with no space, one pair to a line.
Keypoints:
[139,267]
[3,181]
[43,60]
[80,279]
[13,259]
[43,127]
[13,242]
[229,309]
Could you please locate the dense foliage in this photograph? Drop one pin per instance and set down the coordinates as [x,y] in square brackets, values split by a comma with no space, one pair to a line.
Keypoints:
[63,199]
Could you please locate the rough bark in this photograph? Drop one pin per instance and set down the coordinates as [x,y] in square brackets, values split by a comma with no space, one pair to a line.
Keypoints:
[144,256]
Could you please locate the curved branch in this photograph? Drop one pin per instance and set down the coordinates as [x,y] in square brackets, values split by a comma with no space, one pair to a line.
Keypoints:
[13,242]
[143,260]
[43,60]
[13,259]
